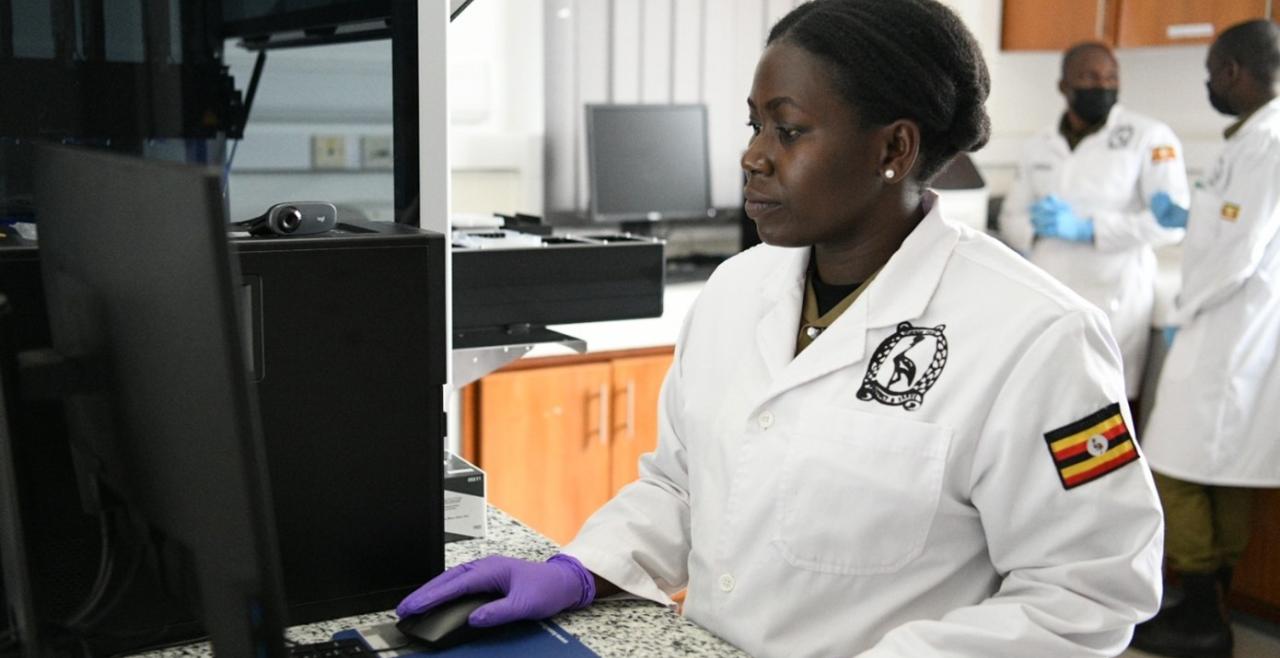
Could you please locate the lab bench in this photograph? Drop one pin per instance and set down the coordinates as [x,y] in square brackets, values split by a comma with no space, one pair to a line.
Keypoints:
[610,628]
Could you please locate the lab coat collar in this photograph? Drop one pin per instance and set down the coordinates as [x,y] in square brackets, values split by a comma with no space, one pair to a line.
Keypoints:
[781,300]
[1054,132]
[904,287]
[1262,115]
[900,292]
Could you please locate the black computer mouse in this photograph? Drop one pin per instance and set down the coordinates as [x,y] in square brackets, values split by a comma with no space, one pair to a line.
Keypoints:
[446,624]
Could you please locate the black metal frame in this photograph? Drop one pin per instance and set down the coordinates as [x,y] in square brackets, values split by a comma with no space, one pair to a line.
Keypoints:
[316,20]
[60,101]
[6,28]
[404,109]
[188,96]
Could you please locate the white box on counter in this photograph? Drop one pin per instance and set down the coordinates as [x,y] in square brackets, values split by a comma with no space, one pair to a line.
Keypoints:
[464,499]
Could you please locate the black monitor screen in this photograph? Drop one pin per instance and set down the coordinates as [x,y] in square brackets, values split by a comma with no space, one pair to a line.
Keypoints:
[138,276]
[648,162]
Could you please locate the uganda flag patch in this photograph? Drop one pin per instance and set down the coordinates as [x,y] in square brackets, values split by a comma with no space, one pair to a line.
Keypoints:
[1163,154]
[1091,447]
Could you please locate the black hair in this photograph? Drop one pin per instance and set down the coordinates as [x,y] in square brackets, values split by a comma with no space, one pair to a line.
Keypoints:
[1082,49]
[901,59]
[1255,45]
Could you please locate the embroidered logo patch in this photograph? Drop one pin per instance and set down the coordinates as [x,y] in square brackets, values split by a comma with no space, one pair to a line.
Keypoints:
[1230,212]
[1091,447]
[905,366]
[1120,137]
[1164,154]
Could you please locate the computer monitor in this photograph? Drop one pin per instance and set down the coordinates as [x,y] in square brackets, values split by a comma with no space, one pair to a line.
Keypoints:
[13,542]
[648,163]
[139,280]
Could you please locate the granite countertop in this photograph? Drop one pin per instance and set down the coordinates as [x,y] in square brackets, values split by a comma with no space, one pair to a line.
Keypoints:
[612,629]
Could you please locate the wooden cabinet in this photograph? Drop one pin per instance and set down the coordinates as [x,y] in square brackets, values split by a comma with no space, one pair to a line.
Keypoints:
[544,444]
[637,381]
[1058,24]
[1166,22]
[558,437]
[1256,588]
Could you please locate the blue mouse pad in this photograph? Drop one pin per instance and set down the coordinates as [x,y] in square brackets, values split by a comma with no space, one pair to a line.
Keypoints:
[528,639]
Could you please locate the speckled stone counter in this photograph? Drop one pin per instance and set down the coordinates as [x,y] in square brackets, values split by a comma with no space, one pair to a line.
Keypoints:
[612,629]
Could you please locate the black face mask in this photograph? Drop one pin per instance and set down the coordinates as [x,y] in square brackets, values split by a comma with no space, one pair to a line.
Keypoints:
[1219,103]
[1093,104]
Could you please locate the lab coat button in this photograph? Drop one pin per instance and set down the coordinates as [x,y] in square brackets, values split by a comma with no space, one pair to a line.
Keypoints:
[765,420]
[726,583]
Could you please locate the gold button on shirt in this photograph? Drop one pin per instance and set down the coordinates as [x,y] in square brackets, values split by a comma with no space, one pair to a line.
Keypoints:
[811,324]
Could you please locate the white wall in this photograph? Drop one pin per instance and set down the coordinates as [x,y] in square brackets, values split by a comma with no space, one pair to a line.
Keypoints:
[495,96]
[345,91]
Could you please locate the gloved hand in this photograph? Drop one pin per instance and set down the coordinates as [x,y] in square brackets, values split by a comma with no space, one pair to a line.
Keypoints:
[1169,332]
[534,590]
[1053,218]
[1168,213]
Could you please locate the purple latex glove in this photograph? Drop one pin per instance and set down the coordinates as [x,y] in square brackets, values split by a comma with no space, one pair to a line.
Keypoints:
[1054,218]
[534,590]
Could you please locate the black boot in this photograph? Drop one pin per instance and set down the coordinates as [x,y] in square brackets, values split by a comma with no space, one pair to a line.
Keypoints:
[1224,580]
[1195,628]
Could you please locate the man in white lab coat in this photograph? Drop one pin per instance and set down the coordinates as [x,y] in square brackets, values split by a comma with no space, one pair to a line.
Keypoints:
[883,434]
[1079,205]
[1214,434]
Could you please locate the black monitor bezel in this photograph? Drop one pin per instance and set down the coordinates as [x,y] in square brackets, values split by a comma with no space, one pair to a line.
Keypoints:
[593,210]
[84,198]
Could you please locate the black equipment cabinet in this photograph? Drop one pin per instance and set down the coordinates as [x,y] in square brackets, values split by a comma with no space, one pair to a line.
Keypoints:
[347,332]
[346,329]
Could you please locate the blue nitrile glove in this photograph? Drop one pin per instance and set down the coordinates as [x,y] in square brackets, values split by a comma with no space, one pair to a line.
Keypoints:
[1053,218]
[1169,332]
[1168,213]
[534,590]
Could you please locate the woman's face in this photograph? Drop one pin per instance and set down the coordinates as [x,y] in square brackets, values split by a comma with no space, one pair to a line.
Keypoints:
[812,173]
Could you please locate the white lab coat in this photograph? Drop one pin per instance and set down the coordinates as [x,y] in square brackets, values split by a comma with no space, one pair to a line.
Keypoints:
[808,521]
[1216,418]
[1109,177]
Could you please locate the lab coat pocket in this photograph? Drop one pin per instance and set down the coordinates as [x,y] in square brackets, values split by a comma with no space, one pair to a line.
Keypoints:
[859,491]
[1180,363]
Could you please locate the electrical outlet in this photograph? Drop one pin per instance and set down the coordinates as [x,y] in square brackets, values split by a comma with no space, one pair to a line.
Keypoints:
[328,152]
[375,152]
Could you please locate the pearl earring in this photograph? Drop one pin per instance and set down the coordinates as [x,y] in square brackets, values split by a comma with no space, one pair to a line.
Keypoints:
[889,174]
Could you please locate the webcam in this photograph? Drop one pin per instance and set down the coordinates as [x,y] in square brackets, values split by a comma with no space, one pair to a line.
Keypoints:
[293,218]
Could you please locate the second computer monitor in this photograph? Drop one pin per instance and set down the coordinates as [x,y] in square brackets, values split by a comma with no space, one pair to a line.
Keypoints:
[648,162]
[140,284]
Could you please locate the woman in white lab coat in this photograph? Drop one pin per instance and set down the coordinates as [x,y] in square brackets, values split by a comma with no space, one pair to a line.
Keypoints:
[944,467]
[1101,163]
[1214,433]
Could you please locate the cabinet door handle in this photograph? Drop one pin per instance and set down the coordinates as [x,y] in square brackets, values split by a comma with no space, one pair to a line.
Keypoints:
[604,414]
[1100,26]
[1189,31]
[631,408]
